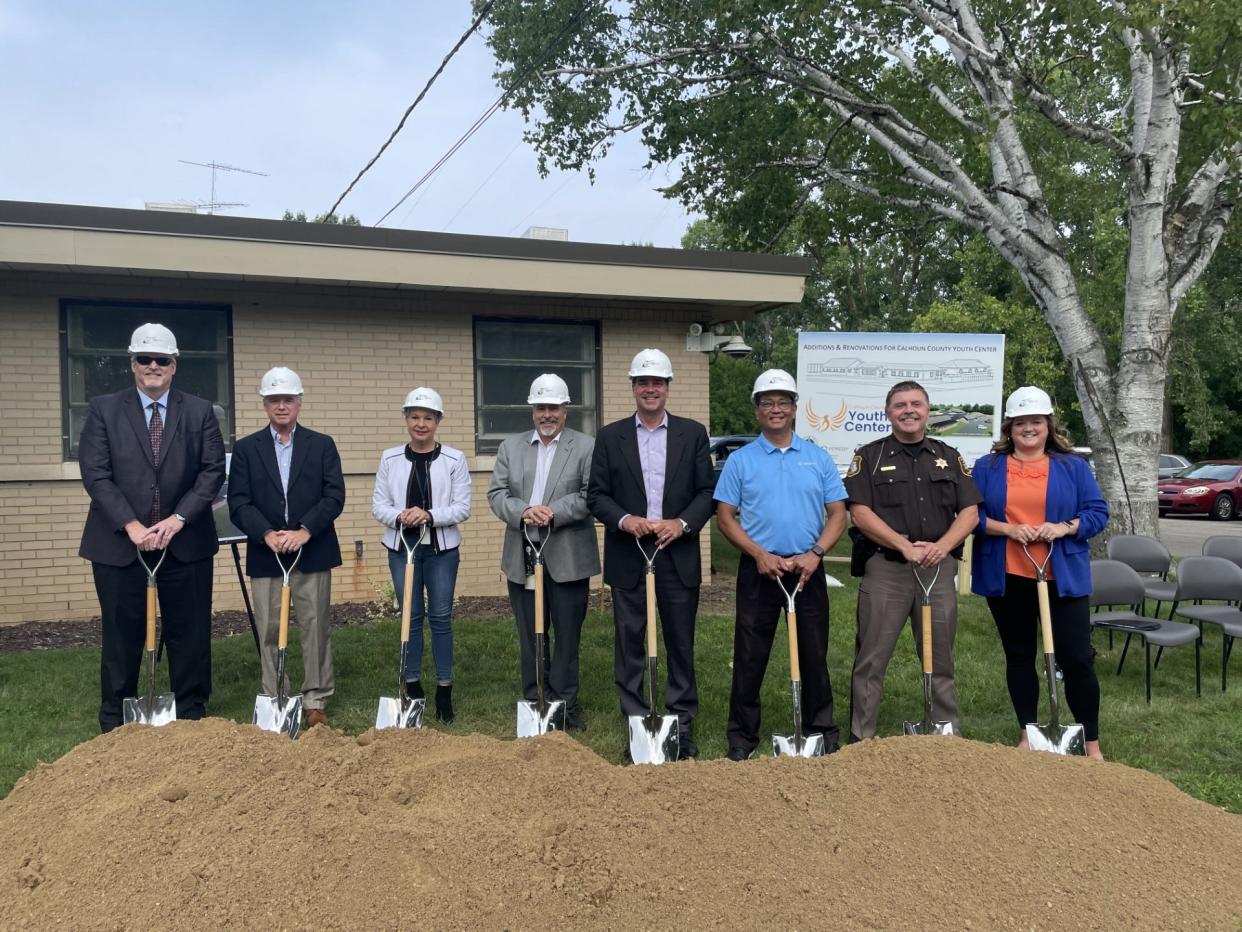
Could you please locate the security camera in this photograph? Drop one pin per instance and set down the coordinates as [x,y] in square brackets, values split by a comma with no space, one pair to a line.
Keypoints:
[736,347]
[696,330]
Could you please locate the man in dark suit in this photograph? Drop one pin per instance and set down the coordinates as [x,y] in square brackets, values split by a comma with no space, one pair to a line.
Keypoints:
[286,489]
[152,460]
[651,480]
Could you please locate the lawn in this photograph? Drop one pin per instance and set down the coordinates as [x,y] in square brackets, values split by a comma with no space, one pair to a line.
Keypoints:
[48,699]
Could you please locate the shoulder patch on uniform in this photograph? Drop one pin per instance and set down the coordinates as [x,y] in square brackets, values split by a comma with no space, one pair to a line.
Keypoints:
[855,466]
[962,463]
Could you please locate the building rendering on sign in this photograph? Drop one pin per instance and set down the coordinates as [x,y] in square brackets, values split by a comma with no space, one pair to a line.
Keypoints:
[363,315]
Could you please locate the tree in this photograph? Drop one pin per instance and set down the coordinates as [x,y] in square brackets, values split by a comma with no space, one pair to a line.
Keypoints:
[300,217]
[988,116]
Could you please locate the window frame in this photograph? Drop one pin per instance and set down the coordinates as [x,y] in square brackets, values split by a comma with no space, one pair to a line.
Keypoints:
[488,447]
[66,305]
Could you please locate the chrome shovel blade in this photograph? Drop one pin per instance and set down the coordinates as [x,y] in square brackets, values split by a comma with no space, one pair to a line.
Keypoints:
[788,746]
[929,728]
[150,710]
[653,745]
[1059,739]
[271,714]
[400,713]
[530,724]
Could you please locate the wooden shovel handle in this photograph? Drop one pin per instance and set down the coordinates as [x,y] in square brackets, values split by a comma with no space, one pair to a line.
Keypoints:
[282,637]
[1045,616]
[407,593]
[651,615]
[795,668]
[927,639]
[538,598]
[150,618]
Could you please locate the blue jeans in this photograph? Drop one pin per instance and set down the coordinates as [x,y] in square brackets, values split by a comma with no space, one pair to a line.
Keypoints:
[437,572]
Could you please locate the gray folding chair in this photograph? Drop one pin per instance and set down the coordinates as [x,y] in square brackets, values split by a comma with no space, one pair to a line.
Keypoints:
[1216,580]
[1225,546]
[1115,583]
[1151,559]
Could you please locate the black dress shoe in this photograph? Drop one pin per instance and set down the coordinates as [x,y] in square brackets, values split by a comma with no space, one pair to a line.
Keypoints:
[575,722]
[444,703]
[686,748]
[414,689]
[738,754]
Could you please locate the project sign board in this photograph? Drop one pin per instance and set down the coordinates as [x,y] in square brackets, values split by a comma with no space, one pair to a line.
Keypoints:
[843,378]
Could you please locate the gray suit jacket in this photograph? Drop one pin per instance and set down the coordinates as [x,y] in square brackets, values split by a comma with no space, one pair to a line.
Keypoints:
[572,552]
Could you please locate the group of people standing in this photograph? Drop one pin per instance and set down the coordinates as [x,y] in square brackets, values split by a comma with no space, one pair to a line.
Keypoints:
[152,461]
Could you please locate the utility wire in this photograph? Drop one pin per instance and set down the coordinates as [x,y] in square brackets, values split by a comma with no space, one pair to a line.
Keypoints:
[499,165]
[487,7]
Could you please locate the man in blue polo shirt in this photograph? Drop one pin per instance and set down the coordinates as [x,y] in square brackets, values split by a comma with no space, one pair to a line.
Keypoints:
[782,504]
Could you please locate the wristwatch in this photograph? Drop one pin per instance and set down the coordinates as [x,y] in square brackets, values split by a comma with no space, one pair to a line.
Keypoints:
[685,525]
[817,550]
[179,517]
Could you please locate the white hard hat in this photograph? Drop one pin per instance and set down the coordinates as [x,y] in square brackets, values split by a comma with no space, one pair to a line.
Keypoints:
[1028,400]
[280,381]
[774,380]
[427,398]
[548,389]
[153,338]
[651,363]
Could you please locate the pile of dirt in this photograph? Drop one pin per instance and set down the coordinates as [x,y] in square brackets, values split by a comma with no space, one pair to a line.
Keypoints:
[217,825]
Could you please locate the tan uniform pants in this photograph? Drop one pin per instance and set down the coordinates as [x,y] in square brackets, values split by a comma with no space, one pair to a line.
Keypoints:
[312,611]
[887,596]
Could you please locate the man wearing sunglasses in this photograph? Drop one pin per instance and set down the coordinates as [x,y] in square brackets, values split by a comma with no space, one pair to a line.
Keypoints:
[152,461]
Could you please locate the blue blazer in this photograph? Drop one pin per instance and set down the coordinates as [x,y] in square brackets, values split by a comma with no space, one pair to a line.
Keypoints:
[1072,493]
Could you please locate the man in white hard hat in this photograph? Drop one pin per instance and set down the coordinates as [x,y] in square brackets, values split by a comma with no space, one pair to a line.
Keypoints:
[540,481]
[782,504]
[286,490]
[651,480]
[152,460]
[913,502]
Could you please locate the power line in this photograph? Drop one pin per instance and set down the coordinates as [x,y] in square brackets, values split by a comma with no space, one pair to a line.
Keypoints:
[530,213]
[487,7]
[499,165]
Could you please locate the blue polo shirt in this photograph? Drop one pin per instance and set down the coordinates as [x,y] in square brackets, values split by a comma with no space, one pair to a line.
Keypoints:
[780,497]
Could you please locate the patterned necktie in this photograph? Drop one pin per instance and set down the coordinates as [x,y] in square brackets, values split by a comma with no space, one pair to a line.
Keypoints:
[157,436]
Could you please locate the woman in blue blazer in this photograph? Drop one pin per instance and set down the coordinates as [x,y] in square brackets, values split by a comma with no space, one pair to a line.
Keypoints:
[1038,492]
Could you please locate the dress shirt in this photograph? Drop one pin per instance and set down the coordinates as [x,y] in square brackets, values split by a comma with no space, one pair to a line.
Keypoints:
[546,452]
[284,461]
[148,403]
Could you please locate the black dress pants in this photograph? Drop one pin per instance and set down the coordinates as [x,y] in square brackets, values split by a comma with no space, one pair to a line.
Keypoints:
[759,604]
[565,607]
[185,615]
[677,605]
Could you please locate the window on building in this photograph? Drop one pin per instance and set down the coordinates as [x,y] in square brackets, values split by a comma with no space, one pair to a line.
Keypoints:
[510,354]
[95,358]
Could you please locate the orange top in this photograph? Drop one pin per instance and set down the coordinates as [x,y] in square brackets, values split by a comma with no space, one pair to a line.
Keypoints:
[1027,493]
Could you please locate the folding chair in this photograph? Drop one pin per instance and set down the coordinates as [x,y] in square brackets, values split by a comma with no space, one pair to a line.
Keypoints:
[1201,579]
[1151,559]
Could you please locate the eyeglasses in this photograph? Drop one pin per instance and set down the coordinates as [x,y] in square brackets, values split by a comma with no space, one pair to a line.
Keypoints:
[162,361]
[767,404]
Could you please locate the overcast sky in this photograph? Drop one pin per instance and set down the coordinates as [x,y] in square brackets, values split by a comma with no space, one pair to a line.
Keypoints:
[101,100]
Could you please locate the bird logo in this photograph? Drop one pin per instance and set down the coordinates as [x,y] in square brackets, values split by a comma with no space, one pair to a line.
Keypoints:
[826,422]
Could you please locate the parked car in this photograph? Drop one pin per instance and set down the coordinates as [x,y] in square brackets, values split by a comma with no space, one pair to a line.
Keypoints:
[1170,464]
[721,447]
[1212,487]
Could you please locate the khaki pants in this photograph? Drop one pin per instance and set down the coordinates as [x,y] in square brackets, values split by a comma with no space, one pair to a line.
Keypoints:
[887,597]
[311,610]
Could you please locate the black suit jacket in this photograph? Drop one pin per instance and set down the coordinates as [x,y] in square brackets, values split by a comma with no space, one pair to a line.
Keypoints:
[617,489]
[119,473]
[316,498]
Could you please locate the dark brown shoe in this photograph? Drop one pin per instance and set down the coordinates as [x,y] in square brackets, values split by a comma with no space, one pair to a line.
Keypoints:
[316,717]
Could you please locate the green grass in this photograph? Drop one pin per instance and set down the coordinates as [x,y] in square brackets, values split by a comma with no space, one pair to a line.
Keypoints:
[48,700]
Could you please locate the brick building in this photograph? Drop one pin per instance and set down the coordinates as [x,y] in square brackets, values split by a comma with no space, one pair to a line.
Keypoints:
[363,315]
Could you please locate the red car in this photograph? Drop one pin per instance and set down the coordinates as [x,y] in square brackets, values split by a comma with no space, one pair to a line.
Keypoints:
[1212,487]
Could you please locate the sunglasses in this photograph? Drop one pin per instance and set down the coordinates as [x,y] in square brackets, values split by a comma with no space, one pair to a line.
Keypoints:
[162,361]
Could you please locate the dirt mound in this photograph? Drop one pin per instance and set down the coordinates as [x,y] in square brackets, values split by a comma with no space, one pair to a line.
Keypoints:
[217,825]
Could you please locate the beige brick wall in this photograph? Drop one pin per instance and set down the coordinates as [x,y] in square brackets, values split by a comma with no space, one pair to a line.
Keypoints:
[358,352]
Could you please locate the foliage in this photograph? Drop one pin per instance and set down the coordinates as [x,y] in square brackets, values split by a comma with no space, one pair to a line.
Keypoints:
[730,383]
[300,217]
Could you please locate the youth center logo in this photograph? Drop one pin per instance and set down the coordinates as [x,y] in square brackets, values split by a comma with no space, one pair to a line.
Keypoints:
[852,420]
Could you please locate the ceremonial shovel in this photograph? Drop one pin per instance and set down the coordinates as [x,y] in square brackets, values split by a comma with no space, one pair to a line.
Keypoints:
[151,709]
[797,744]
[281,713]
[403,712]
[654,739]
[1053,737]
[928,726]
[537,718]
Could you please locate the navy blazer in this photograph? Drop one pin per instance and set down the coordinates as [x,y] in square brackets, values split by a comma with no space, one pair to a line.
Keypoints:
[1072,493]
[316,498]
[120,475]
[616,489]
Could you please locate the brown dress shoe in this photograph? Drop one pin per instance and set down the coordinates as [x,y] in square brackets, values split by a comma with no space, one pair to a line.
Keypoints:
[316,717]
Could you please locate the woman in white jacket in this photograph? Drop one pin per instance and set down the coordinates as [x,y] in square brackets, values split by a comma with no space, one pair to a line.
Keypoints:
[423,488]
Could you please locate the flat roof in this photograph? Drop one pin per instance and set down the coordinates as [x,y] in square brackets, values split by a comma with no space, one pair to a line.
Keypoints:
[70,237]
